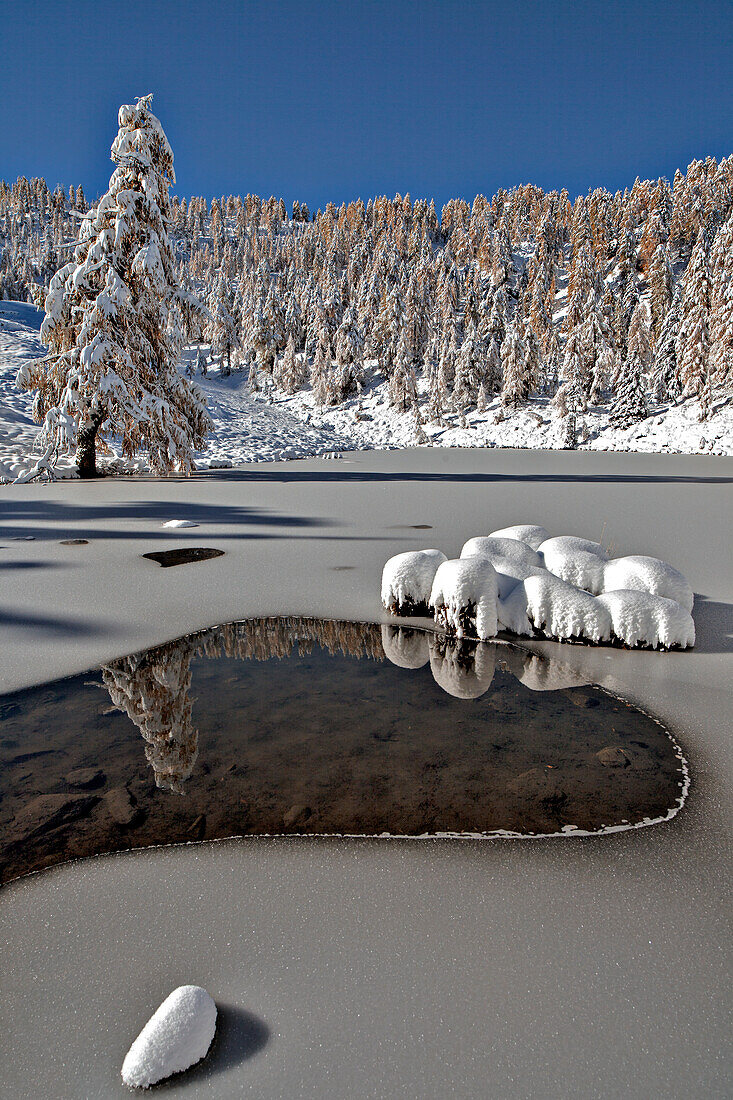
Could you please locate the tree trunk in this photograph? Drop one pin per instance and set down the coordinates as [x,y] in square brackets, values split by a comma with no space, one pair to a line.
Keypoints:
[86,448]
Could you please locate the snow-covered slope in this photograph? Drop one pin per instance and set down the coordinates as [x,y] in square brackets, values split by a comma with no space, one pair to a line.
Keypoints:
[268,425]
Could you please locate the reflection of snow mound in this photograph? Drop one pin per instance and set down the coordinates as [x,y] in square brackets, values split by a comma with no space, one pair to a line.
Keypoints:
[577,561]
[547,674]
[640,618]
[405,648]
[558,609]
[465,593]
[464,671]
[643,574]
[512,560]
[407,580]
[529,533]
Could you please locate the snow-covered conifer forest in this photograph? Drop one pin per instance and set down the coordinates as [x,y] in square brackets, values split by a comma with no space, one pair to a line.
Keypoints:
[524,320]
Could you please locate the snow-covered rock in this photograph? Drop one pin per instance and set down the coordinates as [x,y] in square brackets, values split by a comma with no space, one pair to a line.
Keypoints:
[175,1037]
[180,523]
[557,609]
[642,619]
[513,560]
[575,560]
[462,672]
[407,580]
[404,647]
[644,574]
[464,597]
[531,533]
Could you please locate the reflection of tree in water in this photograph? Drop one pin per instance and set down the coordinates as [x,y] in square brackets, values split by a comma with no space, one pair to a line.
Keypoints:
[153,687]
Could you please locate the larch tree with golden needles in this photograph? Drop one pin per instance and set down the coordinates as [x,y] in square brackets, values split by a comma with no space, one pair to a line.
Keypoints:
[116,320]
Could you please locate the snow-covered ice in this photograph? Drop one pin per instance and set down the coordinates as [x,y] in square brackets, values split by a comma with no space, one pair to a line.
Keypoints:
[465,592]
[642,619]
[575,560]
[177,1035]
[645,574]
[407,580]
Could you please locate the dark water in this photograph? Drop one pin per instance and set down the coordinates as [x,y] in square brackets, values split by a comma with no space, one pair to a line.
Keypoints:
[312,726]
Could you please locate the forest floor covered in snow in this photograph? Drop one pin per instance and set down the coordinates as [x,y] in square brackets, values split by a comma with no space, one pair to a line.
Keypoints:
[270,426]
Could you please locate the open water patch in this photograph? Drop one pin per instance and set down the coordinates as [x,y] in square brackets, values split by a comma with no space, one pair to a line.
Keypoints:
[308,726]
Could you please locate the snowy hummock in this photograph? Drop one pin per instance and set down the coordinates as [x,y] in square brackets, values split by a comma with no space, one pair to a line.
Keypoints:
[513,560]
[531,533]
[557,609]
[407,580]
[578,561]
[175,1037]
[642,619]
[180,523]
[465,590]
[404,647]
[644,574]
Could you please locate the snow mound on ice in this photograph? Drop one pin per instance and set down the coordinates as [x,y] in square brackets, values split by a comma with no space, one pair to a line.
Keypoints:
[577,561]
[556,608]
[530,533]
[513,560]
[180,523]
[465,591]
[405,648]
[643,574]
[461,674]
[407,580]
[640,618]
[175,1037]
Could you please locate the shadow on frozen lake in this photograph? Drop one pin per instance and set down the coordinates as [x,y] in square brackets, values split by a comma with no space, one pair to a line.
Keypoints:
[310,726]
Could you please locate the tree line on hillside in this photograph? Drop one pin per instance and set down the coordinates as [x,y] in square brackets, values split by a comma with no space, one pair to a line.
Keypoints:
[623,301]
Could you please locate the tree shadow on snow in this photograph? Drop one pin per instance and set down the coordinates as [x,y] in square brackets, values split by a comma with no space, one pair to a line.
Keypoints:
[66,627]
[331,475]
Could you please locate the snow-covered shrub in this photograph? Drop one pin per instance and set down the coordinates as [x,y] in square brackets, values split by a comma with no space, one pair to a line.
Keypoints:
[642,619]
[464,597]
[405,648]
[463,670]
[575,560]
[557,609]
[644,574]
[530,533]
[512,560]
[407,580]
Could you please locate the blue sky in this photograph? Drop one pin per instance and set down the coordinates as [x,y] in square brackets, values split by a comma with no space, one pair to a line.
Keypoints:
[336,100]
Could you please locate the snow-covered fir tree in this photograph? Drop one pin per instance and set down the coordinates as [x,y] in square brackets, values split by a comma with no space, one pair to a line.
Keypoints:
[116,319]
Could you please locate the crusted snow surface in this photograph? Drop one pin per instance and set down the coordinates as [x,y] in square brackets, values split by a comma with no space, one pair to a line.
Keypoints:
[531,533]
[556,608]
[466,590]
[575,560]
[404,647]
[642,619]
[513,560]
[462,674]
[175,1037]
[407,579]
[644,574]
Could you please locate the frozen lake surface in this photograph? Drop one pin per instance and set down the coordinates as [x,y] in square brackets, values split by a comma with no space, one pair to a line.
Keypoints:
[595,966]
